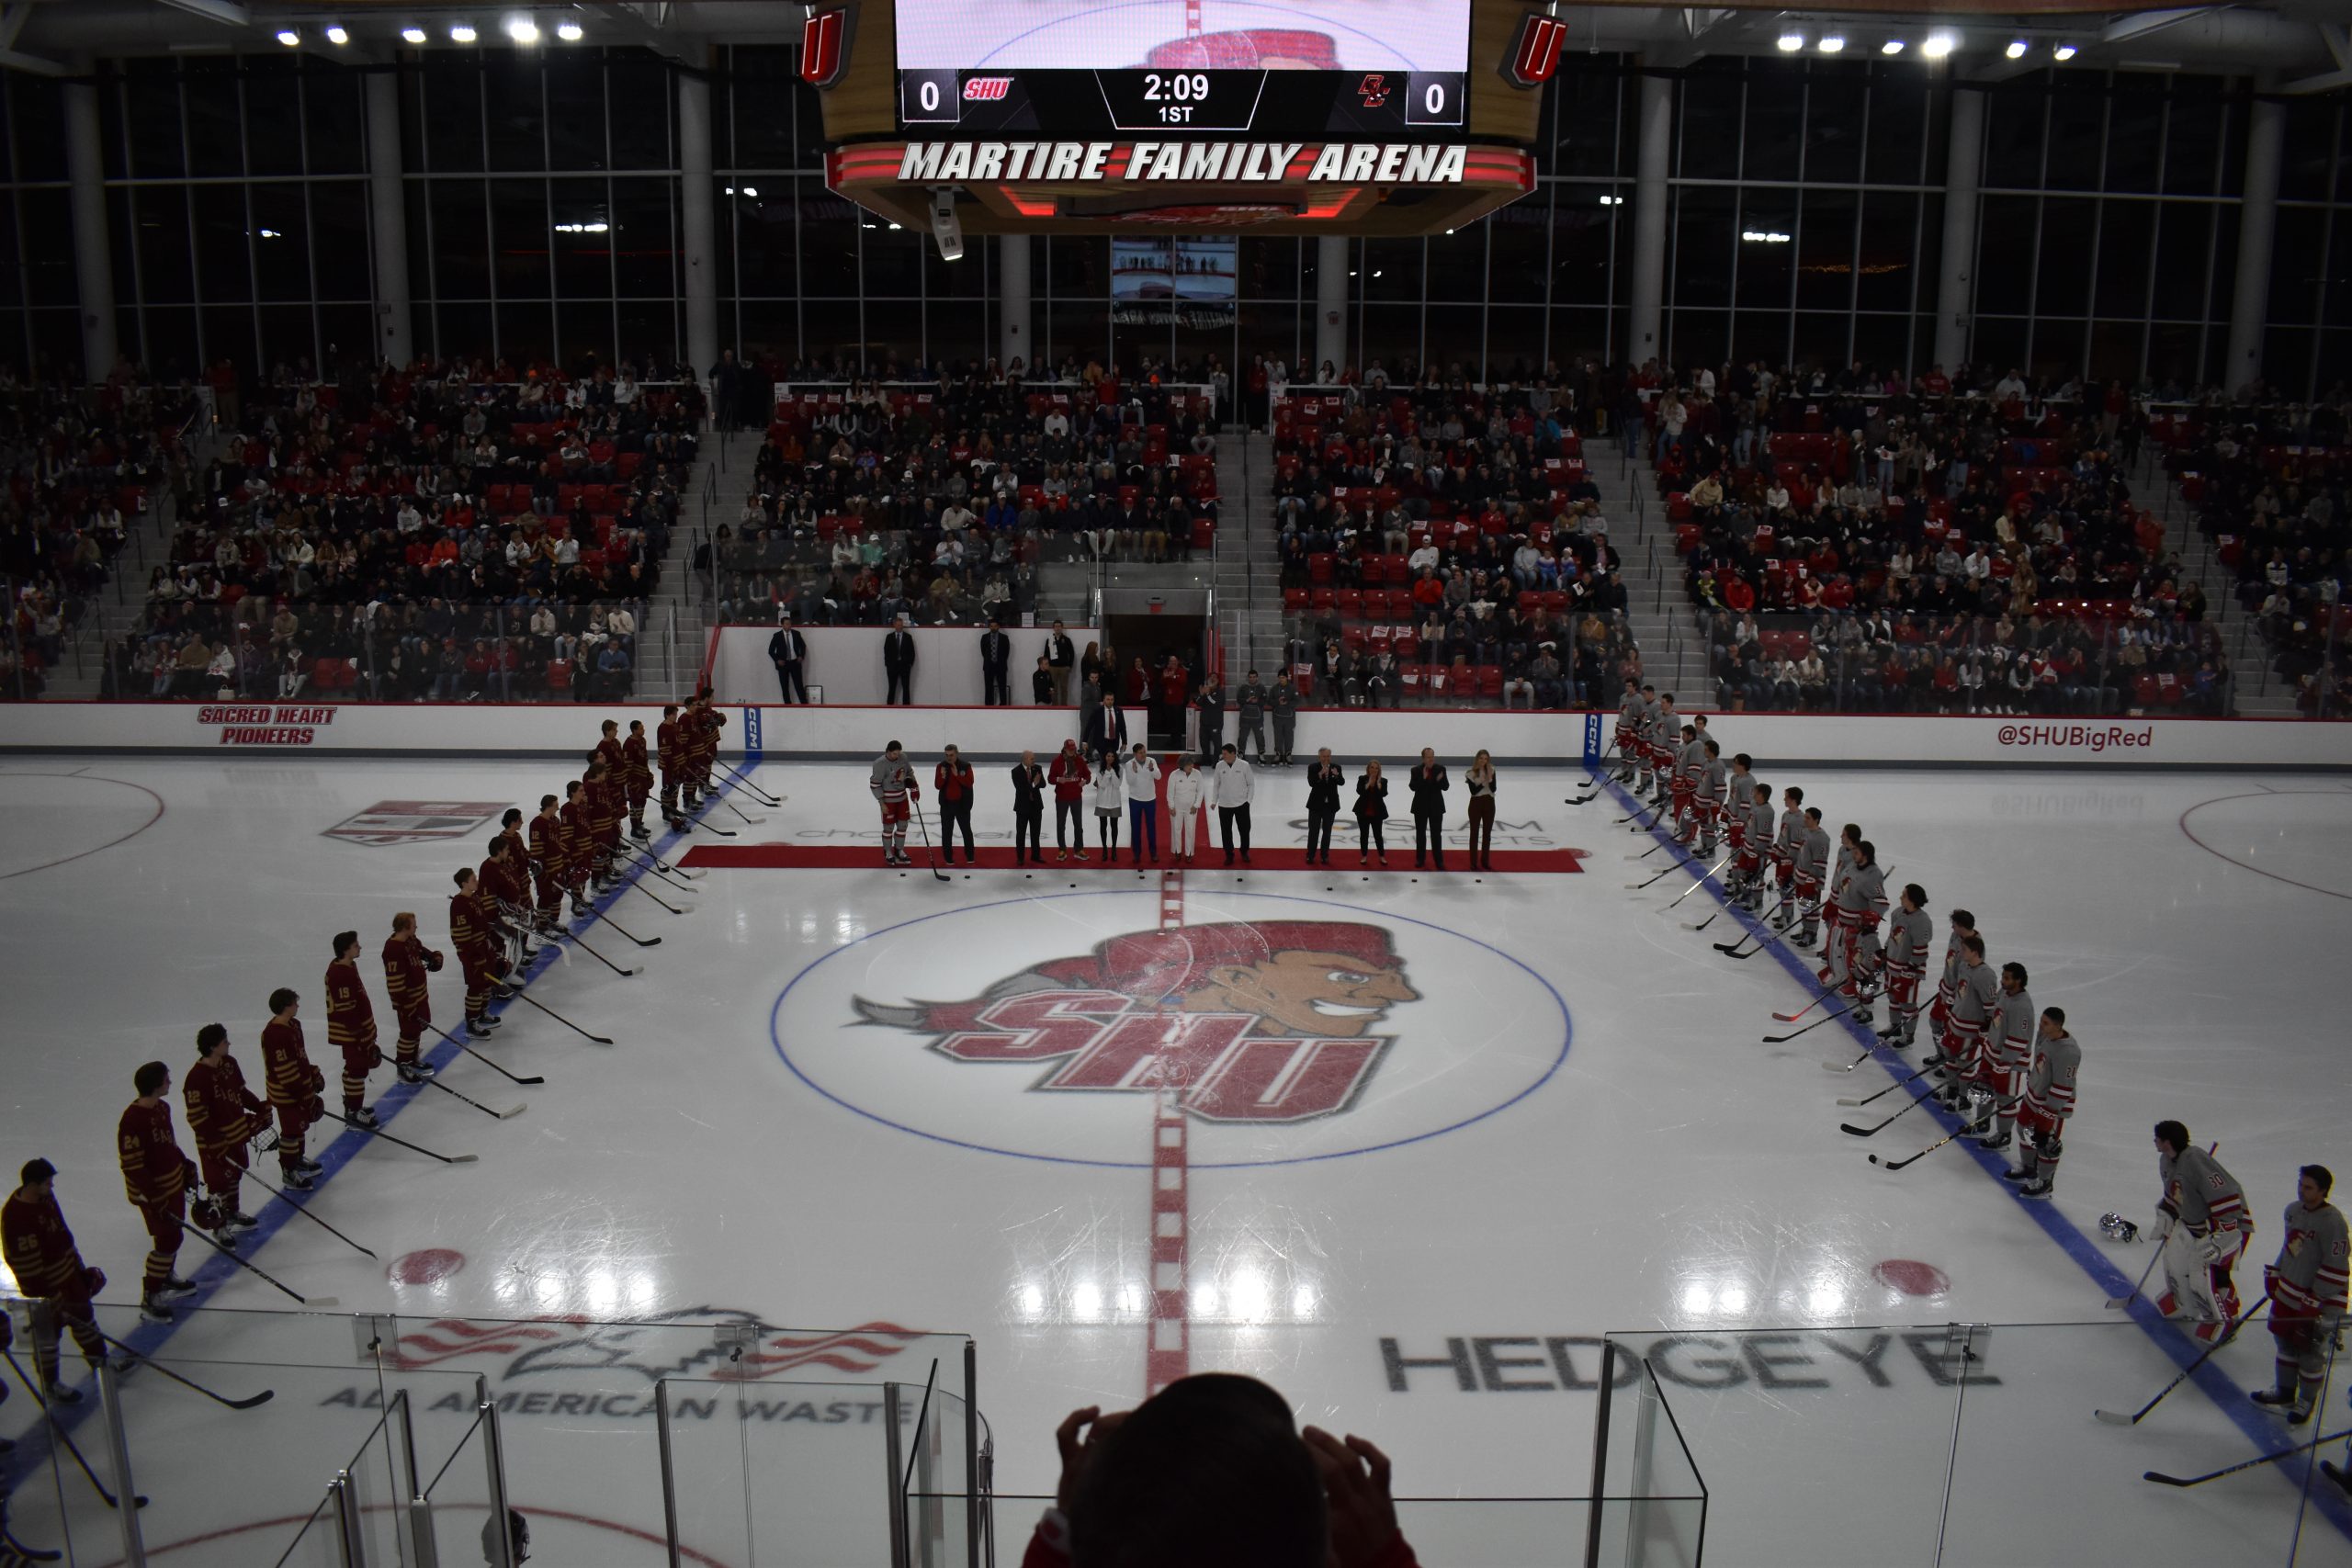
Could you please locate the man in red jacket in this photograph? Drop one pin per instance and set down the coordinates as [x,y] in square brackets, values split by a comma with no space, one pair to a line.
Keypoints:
[952,781]
[1069,774]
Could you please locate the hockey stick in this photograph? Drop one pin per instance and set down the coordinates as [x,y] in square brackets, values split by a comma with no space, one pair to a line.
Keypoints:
[264,1397]
[1648,853]
[524,996]
[65,1437]
[307,1216]
[924,823]
[230,1254]
[1680,863]
[698,822]
[1873,1132]
[518,1078]
[1791,1017]
[1816,1023]
[1898,1164]
[1771,934]
[2161,1479]
[595,914]
[764,797]
[478,1105]
[1705,878]
[738,811]
[676,876]
[2112,1419]
[638,884]
[2116,1303]
[29,1553]
[600,958]
[1849,1066]
[1889,1089]
[379,1132]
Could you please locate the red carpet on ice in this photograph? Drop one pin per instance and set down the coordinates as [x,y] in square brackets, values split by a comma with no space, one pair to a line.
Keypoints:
[829,857]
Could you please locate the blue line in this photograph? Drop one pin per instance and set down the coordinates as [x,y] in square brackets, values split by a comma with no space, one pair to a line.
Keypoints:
[1567,1034]
[2267,1433]
[148,1339]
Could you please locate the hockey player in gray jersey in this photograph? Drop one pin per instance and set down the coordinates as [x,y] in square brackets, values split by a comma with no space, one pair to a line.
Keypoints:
[1963,925]
[893,783]
[1908,934]
[1666,739]
[1974,997]
[2306,1296]
[1785,845]
[1832,945]
[2048,1101]
[1628,739]
[1713,780]
[1812,864]
[1862,900]
[2008,1051]
[1689,762]
[2210,1228]
[1739,794]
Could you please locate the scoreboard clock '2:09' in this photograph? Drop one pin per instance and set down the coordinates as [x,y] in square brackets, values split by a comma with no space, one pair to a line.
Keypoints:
[1316,69]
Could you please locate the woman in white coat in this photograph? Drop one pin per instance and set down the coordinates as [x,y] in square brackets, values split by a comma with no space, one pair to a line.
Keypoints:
[1188,787]
[1109,798]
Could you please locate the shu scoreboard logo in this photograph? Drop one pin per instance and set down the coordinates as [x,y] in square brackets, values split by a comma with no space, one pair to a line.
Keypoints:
[1282,1028]
[417,821]
[1245,1021]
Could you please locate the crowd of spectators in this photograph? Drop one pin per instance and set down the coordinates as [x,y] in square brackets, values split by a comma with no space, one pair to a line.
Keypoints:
[938,498]
[2271,488]
[81,465]
[450,531]
[1856,543]
[1445,543]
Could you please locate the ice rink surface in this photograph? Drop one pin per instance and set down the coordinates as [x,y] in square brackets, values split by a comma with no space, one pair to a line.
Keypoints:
[1439,1132]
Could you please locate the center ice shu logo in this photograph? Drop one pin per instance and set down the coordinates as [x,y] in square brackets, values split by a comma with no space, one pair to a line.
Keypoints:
[415,821]
[652,1347]
[1244,1021]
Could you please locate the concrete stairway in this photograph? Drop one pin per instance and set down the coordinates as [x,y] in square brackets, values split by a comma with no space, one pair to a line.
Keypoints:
[1249,559]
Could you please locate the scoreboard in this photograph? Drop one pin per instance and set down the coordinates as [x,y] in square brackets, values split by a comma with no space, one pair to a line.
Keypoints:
[1304,69]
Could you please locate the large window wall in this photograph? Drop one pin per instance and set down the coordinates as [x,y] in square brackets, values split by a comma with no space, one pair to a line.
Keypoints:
[1805,203]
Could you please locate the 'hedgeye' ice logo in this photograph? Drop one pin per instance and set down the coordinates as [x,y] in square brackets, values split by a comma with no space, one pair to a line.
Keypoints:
[1282,1029]
[1243,1020]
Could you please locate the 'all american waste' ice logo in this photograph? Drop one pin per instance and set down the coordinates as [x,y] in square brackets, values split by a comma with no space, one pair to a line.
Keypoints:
[1284,1029]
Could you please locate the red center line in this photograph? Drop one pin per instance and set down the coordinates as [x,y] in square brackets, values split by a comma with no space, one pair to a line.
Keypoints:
[1168,1353]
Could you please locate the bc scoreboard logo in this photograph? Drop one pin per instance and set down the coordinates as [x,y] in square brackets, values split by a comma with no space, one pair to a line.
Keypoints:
[1283,1028]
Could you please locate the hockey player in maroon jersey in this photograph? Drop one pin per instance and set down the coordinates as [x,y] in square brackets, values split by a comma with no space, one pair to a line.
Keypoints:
[2306,1287]
[603,796]
[2048,1101]
[1908,932]
[608,745]
[222,1116]
[892,780]
[2209,1228]
[156,1176]
[41,1253]
[637,776]
[670,753]
[505,894]
[473,933]
[295,1085]
[579,847]
[351,1027]
[548,873]
[407,961]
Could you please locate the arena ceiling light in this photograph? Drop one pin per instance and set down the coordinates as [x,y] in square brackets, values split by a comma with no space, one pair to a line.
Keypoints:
[338,36]
[522,29]
[2064,52]
[1938,45]
[568,30]
[1831,43]
[291,38]
[2017,49]
[1791,41]
[412,34]
[1892,46]
[461,32]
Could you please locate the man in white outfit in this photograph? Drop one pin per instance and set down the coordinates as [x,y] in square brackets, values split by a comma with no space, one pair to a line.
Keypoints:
[1142,781]
[1187,788]
[1233,786]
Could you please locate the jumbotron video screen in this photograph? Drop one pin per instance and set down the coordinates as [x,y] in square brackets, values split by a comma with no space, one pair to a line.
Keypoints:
[1309,68]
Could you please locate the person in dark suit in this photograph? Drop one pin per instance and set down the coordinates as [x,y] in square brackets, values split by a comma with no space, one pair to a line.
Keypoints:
[1060,656]
[1324,778]
[1428,785]
[1041,684]
[1371,813]
[898,663]
[788,651]
[1028,809]
[996,667]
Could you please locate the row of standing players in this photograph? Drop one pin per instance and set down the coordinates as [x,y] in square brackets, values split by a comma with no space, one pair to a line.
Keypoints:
[502,916]
[2006,1071]
[1078,780]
